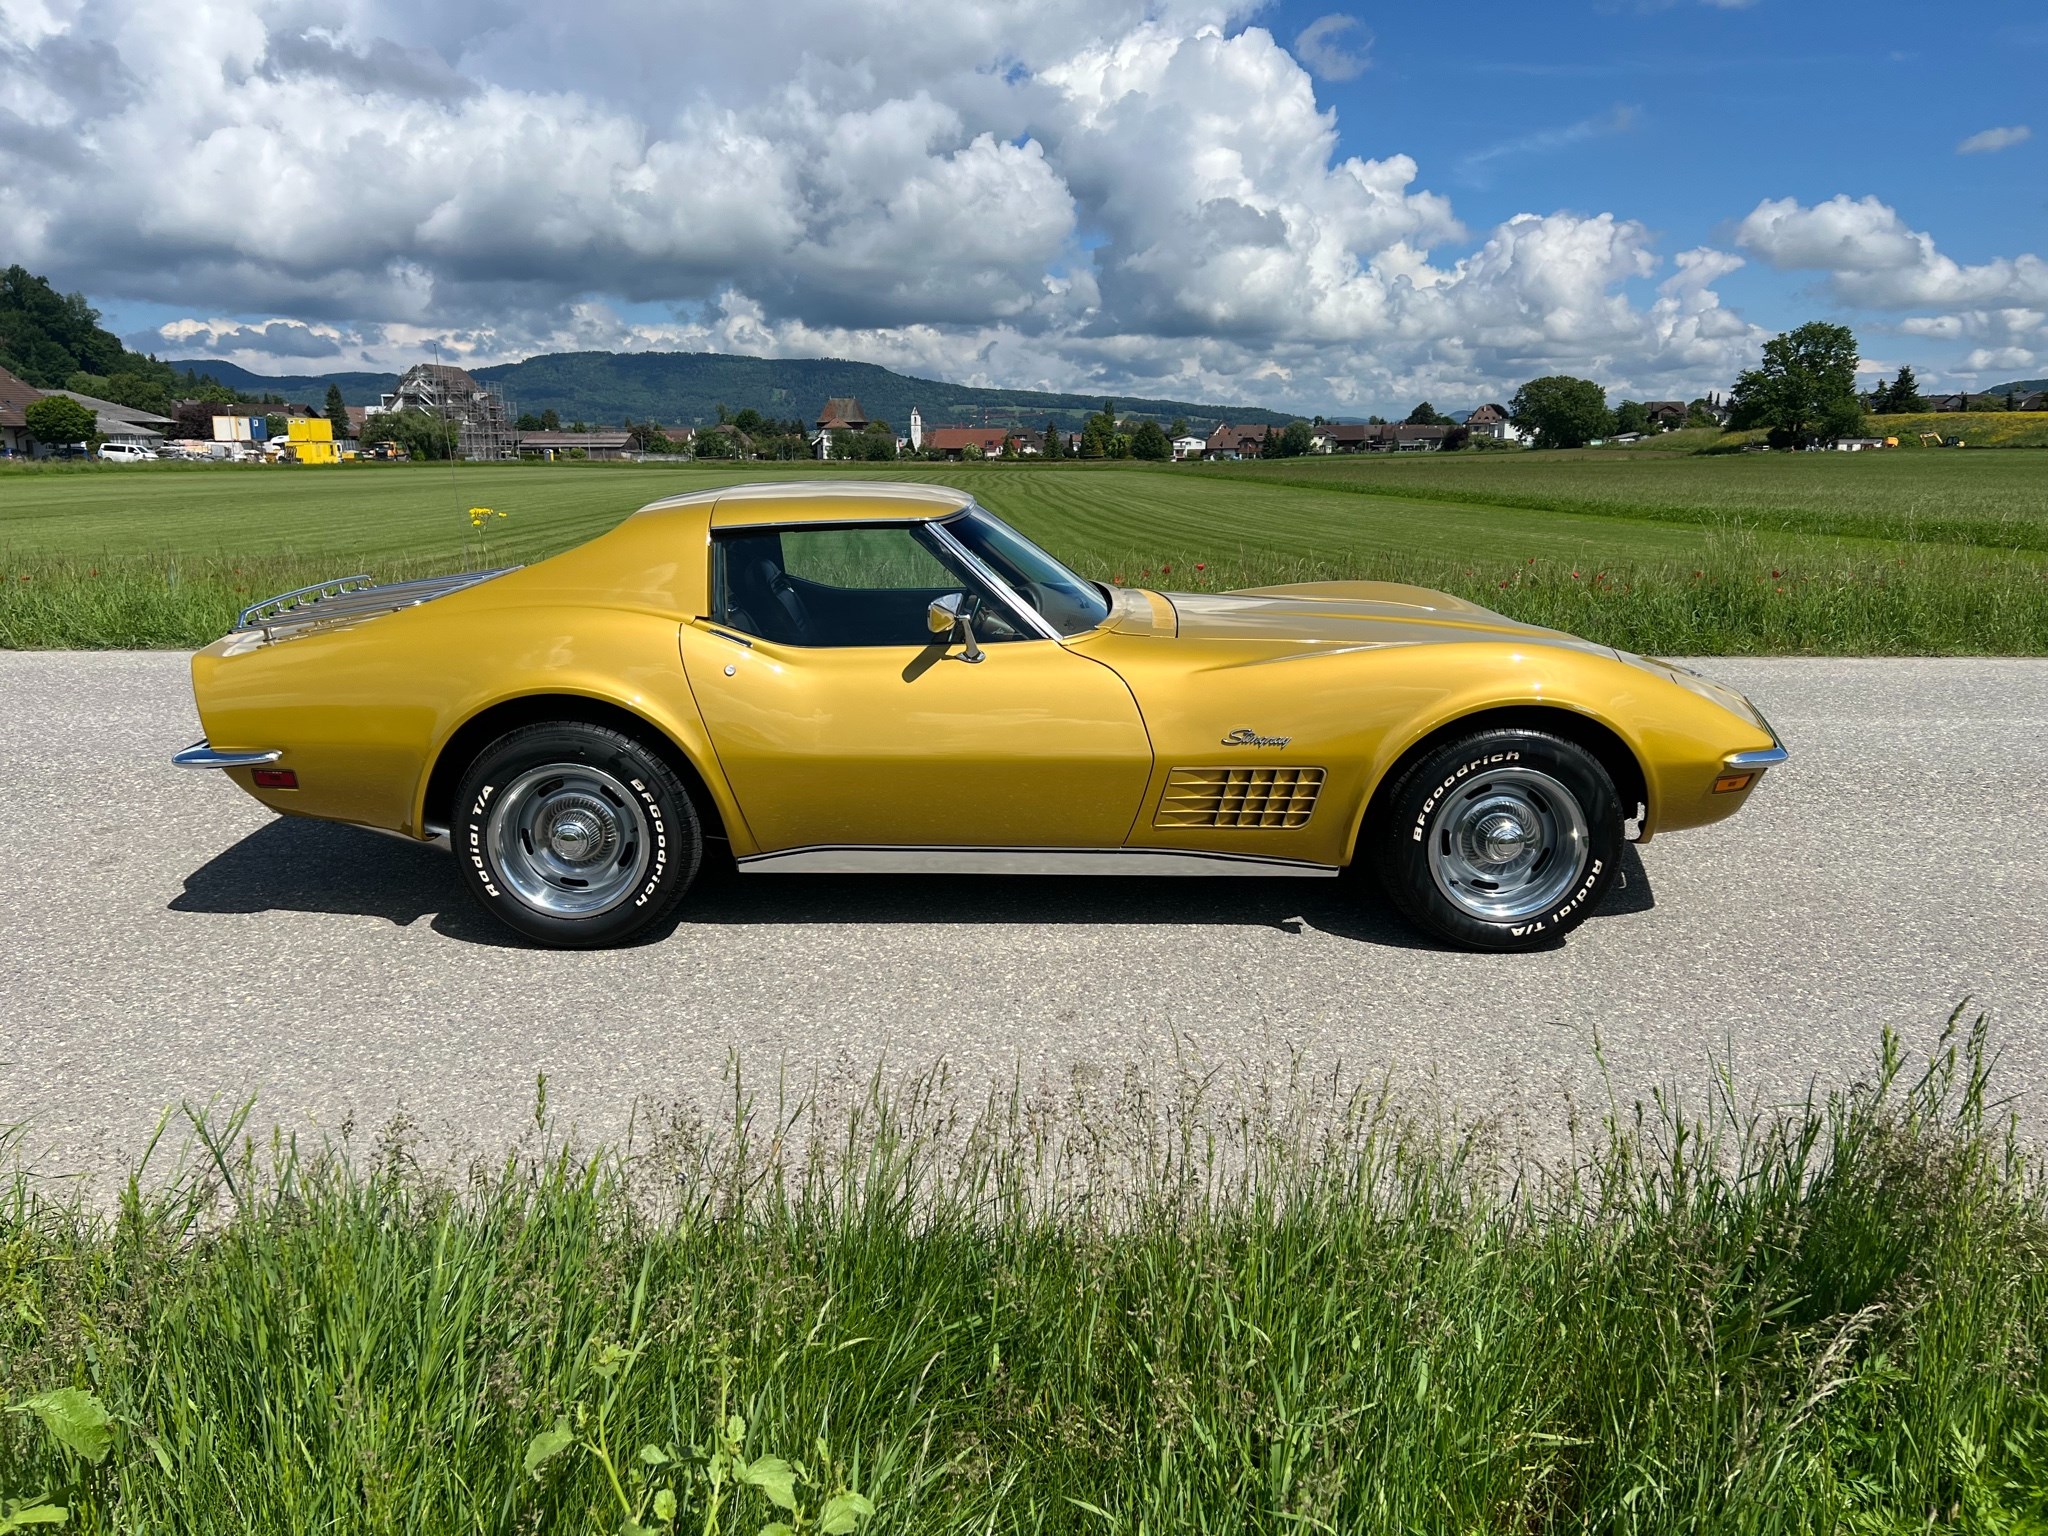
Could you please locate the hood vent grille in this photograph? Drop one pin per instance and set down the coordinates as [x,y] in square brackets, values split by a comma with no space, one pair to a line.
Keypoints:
[1239,797]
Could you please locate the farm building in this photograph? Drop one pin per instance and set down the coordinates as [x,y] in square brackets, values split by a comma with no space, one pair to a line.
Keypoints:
[954,442]
[569,445]
[1236,442]
[121,423]
[1384,437]
[16,396]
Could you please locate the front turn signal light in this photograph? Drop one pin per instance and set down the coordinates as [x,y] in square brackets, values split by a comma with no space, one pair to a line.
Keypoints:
[1729,783]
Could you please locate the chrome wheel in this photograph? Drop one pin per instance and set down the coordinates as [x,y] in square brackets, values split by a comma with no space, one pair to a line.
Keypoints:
[569,839]
[1508,844]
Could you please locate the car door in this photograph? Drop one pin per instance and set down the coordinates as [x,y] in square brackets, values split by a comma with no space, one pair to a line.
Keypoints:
[840,720]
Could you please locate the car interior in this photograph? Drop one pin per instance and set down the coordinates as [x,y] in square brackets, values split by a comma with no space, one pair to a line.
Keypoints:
[831,587]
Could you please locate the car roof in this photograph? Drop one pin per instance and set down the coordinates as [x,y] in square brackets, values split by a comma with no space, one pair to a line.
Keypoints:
[820,501]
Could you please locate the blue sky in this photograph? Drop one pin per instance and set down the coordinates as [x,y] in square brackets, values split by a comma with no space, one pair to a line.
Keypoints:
[1293,205]
[1685,115]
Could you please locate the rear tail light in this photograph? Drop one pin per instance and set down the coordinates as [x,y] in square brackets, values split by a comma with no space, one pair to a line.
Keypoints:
[276,778]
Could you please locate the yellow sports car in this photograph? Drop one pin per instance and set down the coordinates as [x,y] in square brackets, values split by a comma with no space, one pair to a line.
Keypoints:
[877,677]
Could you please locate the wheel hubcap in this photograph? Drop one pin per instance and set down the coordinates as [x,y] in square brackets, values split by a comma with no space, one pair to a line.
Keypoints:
[568,839]
[1508,844]
[1502,838]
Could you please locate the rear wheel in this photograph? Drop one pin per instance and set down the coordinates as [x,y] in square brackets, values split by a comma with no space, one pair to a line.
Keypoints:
[1503,840]
[575,835]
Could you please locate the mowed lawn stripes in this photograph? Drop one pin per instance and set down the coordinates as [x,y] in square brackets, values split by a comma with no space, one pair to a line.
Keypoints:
[1091,514]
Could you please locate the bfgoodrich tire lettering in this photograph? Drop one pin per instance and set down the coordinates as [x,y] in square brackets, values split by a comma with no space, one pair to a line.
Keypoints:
[575,835]
[1502,840]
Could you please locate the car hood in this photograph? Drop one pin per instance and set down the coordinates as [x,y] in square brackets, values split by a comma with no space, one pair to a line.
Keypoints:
[1344,613]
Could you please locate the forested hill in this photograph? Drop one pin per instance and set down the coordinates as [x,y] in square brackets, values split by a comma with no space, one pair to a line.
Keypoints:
[54,340]
[356,388]
[687,388]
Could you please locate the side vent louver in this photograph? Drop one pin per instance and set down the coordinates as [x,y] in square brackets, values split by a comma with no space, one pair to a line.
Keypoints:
[1239,797]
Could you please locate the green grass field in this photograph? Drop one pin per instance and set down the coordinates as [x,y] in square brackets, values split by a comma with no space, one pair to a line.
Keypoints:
[1987,500]
[1979,429]
[1846,554]
[1153,1309]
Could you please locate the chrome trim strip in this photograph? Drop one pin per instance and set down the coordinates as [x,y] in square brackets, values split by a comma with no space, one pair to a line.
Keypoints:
[1032,618]
[830,859]
[201,755]
[1769,757]
[342,585]
[437,838]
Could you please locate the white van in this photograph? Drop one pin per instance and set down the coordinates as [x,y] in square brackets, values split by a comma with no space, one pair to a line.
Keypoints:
[124,453]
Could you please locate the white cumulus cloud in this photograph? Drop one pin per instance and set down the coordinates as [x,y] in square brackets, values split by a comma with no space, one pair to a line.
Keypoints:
[1992,140]
[1132,195]
[1873,258]
[1334,47]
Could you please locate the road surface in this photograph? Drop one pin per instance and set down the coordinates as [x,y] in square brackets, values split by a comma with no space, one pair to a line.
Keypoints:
[164,939]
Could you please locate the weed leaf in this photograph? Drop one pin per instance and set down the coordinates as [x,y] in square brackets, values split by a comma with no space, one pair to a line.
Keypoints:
[842,1513]
[76,1420]
[775,1478]
[13,1518]
[546,1446]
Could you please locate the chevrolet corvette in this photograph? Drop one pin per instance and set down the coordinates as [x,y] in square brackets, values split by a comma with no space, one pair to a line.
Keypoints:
[842,677]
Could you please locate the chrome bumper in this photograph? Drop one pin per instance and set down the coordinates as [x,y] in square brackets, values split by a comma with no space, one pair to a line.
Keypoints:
[201,755]
[1773,756]
[1756,762]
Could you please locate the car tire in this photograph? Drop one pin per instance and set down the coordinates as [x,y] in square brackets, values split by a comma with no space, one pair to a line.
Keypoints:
[1501,840]
[575,835]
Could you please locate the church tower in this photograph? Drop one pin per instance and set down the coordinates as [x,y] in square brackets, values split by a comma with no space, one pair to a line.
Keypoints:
[916,430]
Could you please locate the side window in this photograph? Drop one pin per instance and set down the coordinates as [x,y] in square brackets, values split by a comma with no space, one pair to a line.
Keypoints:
[864,559]
[846,586]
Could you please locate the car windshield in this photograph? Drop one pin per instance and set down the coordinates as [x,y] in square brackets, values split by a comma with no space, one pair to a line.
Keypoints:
[1068,603]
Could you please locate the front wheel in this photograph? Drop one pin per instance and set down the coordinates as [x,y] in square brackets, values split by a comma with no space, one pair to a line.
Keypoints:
[575,835]
[1503,840]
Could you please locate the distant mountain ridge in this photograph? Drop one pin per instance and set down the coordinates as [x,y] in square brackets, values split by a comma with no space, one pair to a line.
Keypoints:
[687,388]
[2016,387]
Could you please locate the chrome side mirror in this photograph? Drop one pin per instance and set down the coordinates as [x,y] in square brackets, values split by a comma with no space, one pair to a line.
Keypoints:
[949,613]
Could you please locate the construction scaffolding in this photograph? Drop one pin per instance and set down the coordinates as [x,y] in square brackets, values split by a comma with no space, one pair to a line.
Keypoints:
[477,421]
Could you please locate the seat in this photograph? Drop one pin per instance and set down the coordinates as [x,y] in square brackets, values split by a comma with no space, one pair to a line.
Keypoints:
[763,601]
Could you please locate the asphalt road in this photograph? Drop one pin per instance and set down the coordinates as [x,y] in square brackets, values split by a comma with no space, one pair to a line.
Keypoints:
[164,939]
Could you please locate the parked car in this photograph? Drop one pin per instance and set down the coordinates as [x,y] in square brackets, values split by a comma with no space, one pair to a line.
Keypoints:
[125,453]
[835,678]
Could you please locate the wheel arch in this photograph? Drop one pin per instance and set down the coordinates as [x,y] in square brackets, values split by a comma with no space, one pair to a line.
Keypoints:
[459,750]
[1608,747]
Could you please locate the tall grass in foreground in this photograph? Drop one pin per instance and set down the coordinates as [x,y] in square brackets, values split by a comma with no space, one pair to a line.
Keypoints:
[1295,1310]
[1736,598]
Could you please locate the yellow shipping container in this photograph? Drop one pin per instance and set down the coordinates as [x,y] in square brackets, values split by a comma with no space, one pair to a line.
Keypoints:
[312,440]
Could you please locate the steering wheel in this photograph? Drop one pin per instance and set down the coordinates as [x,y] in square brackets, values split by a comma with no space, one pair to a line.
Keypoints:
[991,619]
